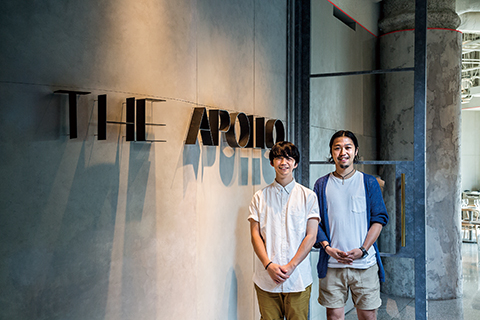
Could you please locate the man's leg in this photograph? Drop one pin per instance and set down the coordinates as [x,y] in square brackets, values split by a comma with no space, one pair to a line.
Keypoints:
[335,314]
[270,304]
[366,292]
[367,314]
[297,304]
[333,293]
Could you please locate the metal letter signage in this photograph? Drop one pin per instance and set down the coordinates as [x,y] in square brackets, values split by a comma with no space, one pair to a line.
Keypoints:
[102,118]
[133,123]
[72,109]
[278,126]
[250,132]
[221,120]
[141,123]
[244,131]
[200,122]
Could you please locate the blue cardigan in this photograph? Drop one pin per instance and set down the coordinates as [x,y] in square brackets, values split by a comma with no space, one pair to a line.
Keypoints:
[376,213]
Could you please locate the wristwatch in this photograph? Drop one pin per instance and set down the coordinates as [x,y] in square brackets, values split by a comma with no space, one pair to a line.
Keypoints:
[364,252]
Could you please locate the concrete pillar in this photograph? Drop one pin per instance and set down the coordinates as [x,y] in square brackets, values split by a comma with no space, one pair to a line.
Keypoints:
[444,273]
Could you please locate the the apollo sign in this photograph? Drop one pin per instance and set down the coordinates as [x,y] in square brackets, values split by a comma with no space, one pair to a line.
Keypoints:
[241,131]
[253,132]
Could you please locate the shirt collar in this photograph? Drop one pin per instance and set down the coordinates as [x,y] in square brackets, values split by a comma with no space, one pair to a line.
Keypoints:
[288,188]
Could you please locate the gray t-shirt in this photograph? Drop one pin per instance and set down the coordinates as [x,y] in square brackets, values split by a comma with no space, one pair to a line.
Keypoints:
[347,218]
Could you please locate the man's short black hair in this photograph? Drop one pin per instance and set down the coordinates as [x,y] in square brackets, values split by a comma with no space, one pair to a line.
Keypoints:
[284,149]
[343,133]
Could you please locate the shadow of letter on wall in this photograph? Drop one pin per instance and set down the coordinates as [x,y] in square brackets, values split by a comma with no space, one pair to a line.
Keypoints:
[191,155]
[227,162]
[267,169]
[231,293]
[256,174]
[243,172]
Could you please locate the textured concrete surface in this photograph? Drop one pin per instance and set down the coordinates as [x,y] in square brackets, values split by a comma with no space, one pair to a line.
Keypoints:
[119,230]
[443,149]
[400,15]
[347,102]
[364,12]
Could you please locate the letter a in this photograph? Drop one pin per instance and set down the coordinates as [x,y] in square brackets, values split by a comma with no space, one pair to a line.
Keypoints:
[199,122]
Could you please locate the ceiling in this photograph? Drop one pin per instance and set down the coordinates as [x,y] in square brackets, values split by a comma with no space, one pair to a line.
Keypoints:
[470,70]
[469,12]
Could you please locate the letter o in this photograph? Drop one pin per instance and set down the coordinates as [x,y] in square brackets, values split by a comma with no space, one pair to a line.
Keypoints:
[231,135]
[279,129]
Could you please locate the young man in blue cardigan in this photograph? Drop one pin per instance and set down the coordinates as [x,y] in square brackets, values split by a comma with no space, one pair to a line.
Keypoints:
[352,215]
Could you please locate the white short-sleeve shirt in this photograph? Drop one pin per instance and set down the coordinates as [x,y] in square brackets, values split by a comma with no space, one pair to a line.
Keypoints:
[282,213]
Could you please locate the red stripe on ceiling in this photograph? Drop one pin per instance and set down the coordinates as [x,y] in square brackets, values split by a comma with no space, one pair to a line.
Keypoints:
[352,18]
[389,32]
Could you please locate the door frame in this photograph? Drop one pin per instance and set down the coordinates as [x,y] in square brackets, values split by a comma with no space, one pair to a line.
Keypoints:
[298,118]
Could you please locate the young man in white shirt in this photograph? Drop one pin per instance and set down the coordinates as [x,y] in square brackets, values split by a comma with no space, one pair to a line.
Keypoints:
[283,224]
[352,215]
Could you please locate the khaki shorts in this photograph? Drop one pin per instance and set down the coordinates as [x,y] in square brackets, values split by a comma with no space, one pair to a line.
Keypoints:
[363,283]
[276,306]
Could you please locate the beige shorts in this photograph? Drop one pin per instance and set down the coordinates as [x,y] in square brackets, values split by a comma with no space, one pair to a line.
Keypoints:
[363,283]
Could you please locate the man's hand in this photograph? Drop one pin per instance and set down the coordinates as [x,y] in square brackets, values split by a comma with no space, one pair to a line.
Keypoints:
[339,255]
[288,269]
[355,254]
[276,273]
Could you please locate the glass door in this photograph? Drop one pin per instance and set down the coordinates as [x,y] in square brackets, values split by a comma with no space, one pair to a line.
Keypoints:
[333,61]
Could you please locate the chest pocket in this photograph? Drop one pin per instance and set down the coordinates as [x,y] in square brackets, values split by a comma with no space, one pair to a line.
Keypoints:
[359,204]
[297,219]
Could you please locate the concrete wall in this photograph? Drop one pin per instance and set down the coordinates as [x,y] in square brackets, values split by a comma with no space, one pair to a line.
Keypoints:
[122,230]
[443,242]
[365,12]
[345,102]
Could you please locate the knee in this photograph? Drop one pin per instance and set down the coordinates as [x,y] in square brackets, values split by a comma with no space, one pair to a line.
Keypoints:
[335,314]
[367,314]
